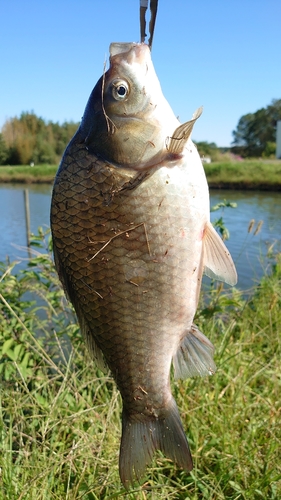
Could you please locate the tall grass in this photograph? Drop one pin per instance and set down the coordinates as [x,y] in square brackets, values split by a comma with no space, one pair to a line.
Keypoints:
[60,417]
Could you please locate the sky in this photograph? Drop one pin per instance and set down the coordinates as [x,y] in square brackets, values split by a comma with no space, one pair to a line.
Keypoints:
[222,54]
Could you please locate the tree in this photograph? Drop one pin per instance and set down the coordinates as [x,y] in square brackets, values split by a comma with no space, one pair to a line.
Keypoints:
[3,150]
[210,150]
[206,148]
[31,139]
[256,132]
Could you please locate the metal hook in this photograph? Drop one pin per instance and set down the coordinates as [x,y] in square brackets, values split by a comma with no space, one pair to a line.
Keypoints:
[153,11]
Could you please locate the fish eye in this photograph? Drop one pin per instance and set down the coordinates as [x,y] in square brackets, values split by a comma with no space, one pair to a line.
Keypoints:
[120,90]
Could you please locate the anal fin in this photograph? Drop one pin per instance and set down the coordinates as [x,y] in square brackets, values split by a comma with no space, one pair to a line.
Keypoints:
[194,356]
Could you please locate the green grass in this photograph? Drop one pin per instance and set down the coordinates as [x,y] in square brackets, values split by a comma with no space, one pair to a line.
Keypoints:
[247,174]
[60,417]
[27,174]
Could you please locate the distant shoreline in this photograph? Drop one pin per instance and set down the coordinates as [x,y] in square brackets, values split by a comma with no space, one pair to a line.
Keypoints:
[251,175]
[239,186]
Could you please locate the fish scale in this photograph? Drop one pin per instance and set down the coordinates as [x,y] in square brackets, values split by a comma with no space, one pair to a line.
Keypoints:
[95,270]
[131,243]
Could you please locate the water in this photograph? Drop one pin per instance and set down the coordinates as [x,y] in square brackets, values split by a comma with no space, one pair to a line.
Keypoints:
[249,251]
[13,234]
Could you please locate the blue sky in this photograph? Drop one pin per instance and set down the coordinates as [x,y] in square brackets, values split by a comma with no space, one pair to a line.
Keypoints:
[222,54]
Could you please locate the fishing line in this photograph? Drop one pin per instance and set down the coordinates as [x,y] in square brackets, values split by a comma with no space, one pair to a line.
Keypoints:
[153,4]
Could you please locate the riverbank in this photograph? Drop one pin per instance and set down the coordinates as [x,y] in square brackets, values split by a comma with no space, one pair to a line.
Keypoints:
[247,174]
[24,174]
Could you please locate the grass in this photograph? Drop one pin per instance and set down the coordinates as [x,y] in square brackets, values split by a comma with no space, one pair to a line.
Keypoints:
[27,174]
[60,417]
[247,174]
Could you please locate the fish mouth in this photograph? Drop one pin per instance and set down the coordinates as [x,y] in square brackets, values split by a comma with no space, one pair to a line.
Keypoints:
[140,51]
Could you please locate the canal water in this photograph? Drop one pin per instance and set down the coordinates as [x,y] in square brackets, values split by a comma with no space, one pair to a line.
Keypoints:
[249,250]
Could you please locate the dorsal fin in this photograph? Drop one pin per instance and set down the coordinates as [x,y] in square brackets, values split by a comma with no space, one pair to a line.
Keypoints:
[181,135]
[217,260]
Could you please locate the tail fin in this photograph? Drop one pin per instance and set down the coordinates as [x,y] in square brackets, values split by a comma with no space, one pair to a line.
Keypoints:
[142,436]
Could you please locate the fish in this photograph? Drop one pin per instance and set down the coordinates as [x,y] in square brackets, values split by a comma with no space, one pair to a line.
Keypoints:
[132,238]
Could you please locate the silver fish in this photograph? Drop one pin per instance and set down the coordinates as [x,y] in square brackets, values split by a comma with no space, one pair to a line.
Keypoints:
[132,237]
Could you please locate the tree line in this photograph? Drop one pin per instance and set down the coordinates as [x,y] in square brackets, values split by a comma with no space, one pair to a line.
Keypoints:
[30,139]
[255,134]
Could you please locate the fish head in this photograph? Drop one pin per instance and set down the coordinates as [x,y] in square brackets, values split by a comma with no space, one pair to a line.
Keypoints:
[127,119]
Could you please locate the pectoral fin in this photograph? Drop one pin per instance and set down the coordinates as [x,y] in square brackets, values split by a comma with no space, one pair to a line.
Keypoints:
[217,260]
[181,135]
